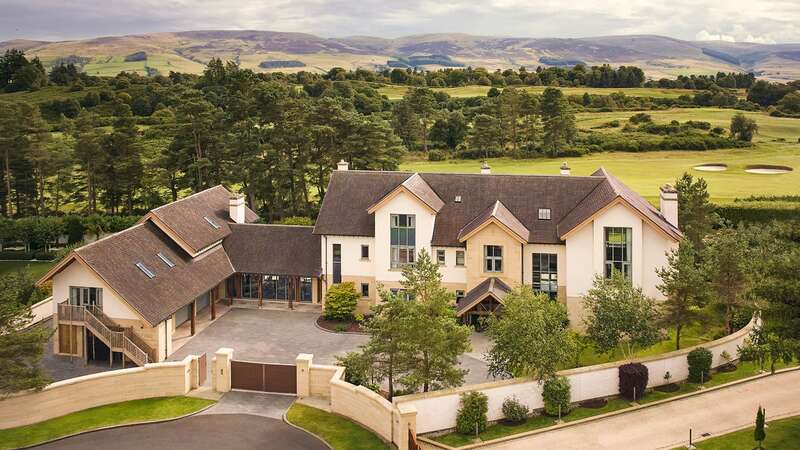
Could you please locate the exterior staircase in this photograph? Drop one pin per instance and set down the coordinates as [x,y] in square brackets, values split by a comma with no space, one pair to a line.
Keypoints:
[117,338]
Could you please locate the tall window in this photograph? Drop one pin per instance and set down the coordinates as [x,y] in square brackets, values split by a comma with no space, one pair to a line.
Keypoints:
[276,287]
[249,285]
[85,296]
[493,258]
[618,250]
[337,263]
[545,273]
[305,289]
[365,290]
[440,257]
[403,239]
[364,251]
[460,258]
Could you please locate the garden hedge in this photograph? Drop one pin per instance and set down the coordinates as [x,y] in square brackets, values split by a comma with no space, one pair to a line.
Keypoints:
[699,364]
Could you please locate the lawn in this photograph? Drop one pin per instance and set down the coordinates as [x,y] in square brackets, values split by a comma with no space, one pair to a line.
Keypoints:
[339,432]
[35,268]
[394,92]
[149,409]
[781,434]
[645,172]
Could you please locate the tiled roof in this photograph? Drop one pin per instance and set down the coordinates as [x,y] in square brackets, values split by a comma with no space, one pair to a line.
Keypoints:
[189,217]
[114,258]
[499,212]
[274,249]
[493,286]
[571,200]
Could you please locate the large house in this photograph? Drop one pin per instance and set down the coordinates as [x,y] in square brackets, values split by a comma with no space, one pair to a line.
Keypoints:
[137,291]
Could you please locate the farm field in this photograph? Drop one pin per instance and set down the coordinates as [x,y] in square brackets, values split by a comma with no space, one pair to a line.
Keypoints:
[394,92]
[646,171]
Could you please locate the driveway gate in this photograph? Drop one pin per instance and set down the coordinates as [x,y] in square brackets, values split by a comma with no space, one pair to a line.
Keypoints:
[257,376]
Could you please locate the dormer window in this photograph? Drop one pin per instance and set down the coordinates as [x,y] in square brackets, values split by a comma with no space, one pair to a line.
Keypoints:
[457,199]
[211,222]
[544,213]
[145,270]
[165,258]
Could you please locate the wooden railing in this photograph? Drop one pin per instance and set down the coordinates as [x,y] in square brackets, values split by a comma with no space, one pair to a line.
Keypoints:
[117,339]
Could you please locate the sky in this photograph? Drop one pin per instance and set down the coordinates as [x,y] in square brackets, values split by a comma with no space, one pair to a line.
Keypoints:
[762,21]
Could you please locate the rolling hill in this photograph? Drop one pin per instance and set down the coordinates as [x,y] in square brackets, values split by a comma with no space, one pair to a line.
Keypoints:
[189,51]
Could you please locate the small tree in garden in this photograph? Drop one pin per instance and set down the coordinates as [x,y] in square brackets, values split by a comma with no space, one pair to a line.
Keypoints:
[530,338]
[633,380]
[358,370]
[727,267]
[759,434]
[699,365]
[684,285]
[471,416]
[619,315]
[556,395]
[514,411]
[341,301]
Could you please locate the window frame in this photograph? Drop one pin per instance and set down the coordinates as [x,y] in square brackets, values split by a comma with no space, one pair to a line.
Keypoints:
[364,290]
[547,266]
[460,255]
[545,214]
[82,296]
[493,263]
[365,251]
[336,260]
[402,230]
[441,257]
[618,255]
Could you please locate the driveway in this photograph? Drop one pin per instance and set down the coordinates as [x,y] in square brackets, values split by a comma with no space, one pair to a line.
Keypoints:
[270,335]
[667,425]
[199,432]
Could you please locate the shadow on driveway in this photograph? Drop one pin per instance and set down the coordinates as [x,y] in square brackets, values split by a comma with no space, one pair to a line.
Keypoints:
[200,432]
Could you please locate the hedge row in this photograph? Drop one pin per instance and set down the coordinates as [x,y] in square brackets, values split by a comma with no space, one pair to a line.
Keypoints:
[40,232]
[759,212]
[27,256]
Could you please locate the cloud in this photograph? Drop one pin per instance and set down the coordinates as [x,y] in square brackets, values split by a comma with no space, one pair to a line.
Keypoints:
[704,35]
[741,20]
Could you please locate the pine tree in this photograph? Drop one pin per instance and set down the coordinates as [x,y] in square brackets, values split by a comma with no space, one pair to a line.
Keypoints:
[695,213]
[759,433]
[684,285]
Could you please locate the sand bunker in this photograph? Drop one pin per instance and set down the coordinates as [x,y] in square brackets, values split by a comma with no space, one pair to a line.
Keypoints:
[712,167]
[766,169]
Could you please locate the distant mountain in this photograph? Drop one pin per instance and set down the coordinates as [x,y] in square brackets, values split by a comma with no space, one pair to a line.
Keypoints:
[189,51]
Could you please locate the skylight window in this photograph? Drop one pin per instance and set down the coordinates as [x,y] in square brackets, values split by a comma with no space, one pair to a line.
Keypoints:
[145,270]
[458,199]
[166,259]
[544,213]
[211,222]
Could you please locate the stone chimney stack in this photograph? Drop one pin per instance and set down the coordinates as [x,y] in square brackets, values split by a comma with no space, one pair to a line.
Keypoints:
[565,169]
[236,208]
[485,169]
[669,204]
[342,165]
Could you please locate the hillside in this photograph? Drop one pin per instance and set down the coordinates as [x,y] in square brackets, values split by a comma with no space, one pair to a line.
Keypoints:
[189,51]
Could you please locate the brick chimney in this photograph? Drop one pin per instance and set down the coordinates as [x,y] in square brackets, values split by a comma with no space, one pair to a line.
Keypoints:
[485,169]
[565,169]
[669,204]
[236,208]
[342,165]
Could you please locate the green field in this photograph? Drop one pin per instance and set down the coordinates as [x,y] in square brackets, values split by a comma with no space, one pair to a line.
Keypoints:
[646,171]
[133,411]
[35,268]
[394,92]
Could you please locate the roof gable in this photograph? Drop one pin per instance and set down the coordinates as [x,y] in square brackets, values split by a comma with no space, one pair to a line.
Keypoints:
[416,186]
[500,215]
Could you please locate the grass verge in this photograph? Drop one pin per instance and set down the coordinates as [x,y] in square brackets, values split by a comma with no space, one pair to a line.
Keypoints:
[784,433]
[339,432]
[149,409]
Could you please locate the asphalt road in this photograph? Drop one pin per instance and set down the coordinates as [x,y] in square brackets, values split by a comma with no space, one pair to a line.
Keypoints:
[200,432]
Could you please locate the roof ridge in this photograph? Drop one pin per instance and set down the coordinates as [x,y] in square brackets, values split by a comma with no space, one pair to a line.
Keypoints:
[236,224]
[537,175]
[189,196]
[116,233]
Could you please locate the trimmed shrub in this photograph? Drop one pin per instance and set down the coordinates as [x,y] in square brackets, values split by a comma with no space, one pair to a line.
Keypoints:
[341,301]
[471,416]
[556,393]
[632,380]
[514,411]
[699,365]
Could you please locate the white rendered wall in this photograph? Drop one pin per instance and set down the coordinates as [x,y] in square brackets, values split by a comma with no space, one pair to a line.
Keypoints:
[656,247]
[450,272]
[352,264]
[76,274]
[580,261]
[403,203]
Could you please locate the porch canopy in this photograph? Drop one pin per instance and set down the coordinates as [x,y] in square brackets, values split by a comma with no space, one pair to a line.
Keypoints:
[484,299]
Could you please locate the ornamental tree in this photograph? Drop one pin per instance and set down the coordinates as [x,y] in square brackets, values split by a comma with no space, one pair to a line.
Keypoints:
[620,316]
[530,338]
[684,286]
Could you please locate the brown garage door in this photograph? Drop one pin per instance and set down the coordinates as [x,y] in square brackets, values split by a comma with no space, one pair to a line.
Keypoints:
[257,376]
